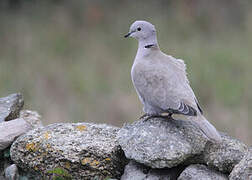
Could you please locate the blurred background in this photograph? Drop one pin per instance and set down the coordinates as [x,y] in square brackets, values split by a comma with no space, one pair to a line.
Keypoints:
[72,64]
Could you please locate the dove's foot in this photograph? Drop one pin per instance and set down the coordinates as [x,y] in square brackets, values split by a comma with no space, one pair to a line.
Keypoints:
[149,116]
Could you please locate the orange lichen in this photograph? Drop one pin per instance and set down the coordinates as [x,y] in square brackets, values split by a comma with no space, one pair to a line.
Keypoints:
[89,161]
[81,127]
[94,163]
[108,159]
[85,161]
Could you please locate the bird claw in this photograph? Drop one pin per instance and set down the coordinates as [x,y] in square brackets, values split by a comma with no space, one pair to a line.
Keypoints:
[169,116]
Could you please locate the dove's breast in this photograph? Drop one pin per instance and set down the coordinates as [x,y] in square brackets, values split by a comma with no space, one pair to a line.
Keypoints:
[150,81]
[160,84]
[149,73]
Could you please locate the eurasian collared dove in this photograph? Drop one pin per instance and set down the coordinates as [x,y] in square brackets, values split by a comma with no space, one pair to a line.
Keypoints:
[161,82]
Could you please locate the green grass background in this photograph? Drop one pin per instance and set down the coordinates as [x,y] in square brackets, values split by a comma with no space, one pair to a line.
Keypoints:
[71,62]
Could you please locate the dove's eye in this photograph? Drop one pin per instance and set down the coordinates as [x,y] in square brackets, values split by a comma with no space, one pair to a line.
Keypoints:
[139,29]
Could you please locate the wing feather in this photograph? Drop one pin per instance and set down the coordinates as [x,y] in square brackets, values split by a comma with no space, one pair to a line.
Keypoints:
[164,85]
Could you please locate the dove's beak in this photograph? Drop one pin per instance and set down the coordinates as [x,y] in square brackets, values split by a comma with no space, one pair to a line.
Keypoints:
[127,35]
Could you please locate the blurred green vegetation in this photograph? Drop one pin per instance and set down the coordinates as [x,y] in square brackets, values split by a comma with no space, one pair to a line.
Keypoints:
[70,60]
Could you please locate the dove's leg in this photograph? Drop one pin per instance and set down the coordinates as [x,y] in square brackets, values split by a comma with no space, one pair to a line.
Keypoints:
[154,112]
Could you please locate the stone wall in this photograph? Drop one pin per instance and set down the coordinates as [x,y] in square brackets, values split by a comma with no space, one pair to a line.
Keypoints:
[144,150]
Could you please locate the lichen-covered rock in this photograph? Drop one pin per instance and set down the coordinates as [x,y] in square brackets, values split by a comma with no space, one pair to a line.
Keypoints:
[160,143]
[243,170]
[10,130]
[199,171]
[10,107]
[226,155]
[138,171]
[81,150]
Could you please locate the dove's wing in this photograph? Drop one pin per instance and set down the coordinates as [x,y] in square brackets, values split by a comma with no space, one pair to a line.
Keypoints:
[164,85]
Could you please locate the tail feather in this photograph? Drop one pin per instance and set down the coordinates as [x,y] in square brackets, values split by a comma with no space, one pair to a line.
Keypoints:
[208,129]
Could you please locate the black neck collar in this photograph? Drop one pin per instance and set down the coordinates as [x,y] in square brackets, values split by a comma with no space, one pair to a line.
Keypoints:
[149,46]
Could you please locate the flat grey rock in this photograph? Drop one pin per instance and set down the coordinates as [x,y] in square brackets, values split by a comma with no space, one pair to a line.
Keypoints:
[11,172]
[160,143]
[83,150]
[226,155]
[138,171]
[10,130]
[10,107]
[201,172]
[243,170]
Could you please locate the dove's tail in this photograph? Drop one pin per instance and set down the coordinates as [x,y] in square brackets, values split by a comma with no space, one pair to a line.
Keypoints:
[208,129]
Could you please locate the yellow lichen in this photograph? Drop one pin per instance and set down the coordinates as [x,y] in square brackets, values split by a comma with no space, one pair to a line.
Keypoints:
[85,161]
[47,135]
[94,163]
[48,146]
[81,127]
[67,165]
[31,146]
[108,159]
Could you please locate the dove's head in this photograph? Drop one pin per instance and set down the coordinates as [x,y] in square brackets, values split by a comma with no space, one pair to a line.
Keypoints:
[141,30]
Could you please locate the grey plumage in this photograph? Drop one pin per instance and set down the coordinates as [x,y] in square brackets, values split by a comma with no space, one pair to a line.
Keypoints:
[161,81]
